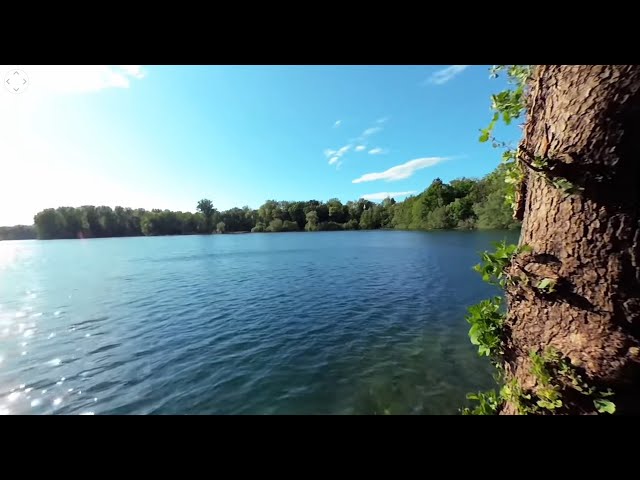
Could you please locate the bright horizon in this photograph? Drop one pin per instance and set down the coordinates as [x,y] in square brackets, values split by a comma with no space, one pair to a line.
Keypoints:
[166,136]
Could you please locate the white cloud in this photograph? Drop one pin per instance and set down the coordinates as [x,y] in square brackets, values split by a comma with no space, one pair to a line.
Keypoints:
[443,76]
[133,70]
[341,151]
[361,143]
[377,151]
[371,131]
[329,152]
[383,195]
[335,155]
[400,172]
[77,78]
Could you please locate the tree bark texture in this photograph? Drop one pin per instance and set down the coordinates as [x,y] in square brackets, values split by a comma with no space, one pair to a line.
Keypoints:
[585,121]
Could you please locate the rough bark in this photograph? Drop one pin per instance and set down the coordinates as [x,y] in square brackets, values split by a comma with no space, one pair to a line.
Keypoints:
[585,119]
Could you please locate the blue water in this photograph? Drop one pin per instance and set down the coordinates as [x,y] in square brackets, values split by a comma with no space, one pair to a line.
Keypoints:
[288,323]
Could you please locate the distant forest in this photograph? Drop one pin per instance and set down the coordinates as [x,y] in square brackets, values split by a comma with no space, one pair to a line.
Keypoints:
[461,204]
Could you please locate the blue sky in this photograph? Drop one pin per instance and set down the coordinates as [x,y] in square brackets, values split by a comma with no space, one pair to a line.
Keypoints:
[167,136]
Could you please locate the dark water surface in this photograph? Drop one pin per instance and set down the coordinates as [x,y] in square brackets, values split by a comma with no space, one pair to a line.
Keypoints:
[328,322]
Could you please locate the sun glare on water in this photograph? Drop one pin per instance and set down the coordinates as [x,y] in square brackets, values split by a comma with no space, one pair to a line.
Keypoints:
[8,253]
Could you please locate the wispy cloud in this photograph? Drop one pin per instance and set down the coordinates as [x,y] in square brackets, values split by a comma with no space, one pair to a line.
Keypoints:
[383,195]
[79,78]
[377,151]
[443,76]
[341,151]
[335,155]
[358,144]
[400,172]
[371,131]
[133,70]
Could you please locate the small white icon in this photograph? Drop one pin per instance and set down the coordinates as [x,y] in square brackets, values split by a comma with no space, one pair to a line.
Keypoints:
[16,81]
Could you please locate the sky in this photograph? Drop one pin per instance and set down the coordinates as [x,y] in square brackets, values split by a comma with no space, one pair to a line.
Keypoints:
[166,136]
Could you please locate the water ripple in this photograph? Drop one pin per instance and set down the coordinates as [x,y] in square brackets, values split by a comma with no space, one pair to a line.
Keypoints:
[341,322]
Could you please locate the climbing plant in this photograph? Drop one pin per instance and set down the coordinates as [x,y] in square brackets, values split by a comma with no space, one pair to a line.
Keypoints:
[557,380]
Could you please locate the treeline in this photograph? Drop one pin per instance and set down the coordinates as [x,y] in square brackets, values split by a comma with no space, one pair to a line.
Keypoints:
[97,222]
[18,232]
[463,203]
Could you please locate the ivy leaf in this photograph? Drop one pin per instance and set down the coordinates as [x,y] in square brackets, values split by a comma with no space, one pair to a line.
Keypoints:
[605,406]
[546,284]
[474,333]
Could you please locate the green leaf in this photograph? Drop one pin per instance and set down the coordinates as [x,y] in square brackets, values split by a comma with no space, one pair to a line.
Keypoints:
[474,333]
[484,136]
[605,406]
[544,283]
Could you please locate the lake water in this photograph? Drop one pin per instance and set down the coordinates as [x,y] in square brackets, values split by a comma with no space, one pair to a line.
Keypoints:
[287,323]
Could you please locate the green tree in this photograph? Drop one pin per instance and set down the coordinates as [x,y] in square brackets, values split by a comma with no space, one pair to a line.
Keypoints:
[258,228]
[461,210]
[205,206]
[18,232]
[275,225]
[312,221]
[493,212]
[438,194]
[289,226]
[323,212]
[469,204]
[371,218]
[462,187]
[49,224]
[337,212]
[440,218]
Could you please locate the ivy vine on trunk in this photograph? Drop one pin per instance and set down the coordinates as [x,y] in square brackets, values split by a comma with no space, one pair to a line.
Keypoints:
[567,341]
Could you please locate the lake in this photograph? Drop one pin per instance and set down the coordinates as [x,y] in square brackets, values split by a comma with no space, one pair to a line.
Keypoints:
[357,322]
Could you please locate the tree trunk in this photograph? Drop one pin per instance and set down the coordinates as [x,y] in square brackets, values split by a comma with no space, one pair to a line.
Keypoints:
[584,120]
